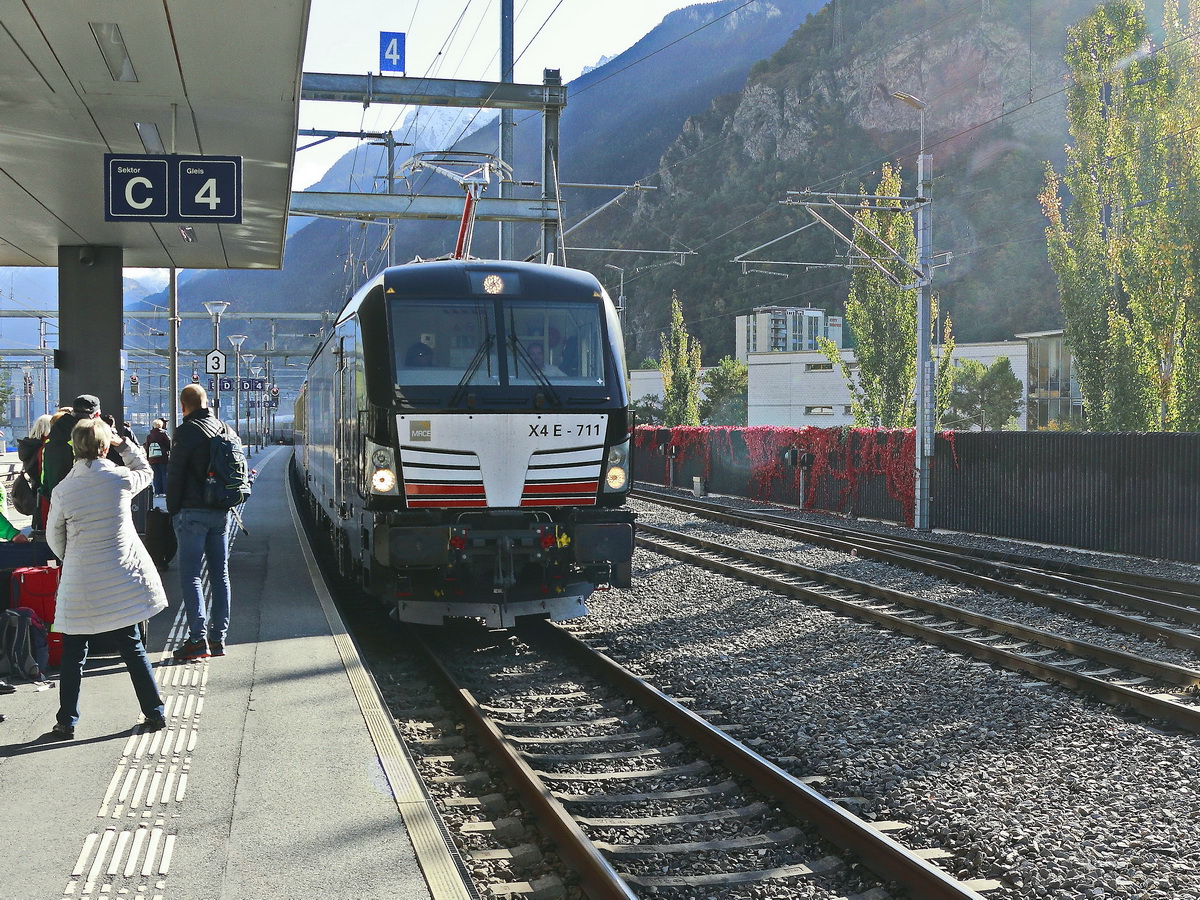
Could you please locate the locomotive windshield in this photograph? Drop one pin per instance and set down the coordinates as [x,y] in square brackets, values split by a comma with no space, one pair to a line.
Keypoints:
[506,342]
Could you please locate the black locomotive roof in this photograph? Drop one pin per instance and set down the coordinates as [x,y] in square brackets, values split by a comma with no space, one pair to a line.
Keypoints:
[450,278]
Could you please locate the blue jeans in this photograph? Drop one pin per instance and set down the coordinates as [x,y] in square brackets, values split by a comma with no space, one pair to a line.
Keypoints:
[160,479]
[129,645]
[203,535]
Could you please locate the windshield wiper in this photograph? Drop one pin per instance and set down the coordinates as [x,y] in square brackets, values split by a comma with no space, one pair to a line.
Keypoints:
[520,351]
[476,361]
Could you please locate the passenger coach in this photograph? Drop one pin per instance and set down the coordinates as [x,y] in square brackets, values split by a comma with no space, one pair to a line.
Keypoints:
[464,439]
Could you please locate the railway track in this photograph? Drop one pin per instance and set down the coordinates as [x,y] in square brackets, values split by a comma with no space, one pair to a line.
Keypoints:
[640,794]
[1150,687]
[1156,608]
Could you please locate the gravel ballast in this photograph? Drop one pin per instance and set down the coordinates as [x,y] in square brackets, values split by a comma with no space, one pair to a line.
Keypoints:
[1051,793]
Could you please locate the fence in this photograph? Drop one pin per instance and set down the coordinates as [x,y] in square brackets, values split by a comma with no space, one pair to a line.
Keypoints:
[1124,493]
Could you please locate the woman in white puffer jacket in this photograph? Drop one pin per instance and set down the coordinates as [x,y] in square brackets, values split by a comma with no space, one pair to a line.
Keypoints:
[109,583]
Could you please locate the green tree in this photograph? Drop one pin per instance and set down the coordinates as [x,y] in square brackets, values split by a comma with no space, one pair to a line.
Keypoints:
[986,397]
[647,410]
[1127,250]
[679,364]
[882,314]
[726,387]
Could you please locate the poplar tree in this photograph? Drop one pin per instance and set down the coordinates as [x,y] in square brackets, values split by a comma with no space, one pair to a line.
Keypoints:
[679,364]
[882,315]
[1126,250]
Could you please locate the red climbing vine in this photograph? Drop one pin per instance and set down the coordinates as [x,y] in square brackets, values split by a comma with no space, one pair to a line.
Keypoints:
[844,459]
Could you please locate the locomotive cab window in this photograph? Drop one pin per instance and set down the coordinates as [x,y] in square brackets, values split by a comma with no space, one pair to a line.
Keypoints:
[560,342]
[498,345]
[440,341]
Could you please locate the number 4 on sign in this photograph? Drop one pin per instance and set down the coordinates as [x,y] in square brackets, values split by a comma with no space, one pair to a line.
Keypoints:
[208,194]
[391,51]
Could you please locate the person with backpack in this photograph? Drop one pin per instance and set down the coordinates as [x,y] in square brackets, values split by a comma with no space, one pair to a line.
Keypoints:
[158,451]
[29,451]
[202,501]
[109,584]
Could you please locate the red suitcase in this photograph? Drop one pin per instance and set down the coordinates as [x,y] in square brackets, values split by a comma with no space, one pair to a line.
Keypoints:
[35,587]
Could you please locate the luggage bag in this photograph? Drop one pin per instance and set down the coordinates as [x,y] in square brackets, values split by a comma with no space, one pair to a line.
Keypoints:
[36,587]
[159,537]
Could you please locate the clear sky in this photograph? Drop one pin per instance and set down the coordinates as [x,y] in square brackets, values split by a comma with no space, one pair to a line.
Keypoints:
[456,39]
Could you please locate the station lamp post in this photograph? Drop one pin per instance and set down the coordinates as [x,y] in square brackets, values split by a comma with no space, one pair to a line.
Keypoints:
[926,372]
[247,358]
[215,308]
[256,371]
[236,340]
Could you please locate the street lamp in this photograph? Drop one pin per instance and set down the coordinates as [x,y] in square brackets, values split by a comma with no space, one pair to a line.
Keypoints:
[236,341]
[926,372]
[215,308]
[255,371]
[247,358]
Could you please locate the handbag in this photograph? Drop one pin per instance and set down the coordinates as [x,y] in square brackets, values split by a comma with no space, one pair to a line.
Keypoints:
[24,497]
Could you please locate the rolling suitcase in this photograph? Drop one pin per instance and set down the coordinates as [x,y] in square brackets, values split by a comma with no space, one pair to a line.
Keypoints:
[36,587]
[139,507]
[159,537]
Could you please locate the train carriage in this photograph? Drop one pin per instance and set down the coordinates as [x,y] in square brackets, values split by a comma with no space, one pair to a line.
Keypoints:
[464,437]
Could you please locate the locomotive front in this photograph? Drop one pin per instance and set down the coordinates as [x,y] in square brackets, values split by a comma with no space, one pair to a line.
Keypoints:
[496,464]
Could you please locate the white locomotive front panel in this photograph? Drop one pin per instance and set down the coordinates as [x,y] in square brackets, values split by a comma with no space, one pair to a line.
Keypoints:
[501,461]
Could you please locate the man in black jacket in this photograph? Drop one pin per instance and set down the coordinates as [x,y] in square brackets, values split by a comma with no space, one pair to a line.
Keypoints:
[202,531]
[57,455]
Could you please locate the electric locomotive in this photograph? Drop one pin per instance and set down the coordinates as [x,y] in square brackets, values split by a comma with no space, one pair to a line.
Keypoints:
[464,438]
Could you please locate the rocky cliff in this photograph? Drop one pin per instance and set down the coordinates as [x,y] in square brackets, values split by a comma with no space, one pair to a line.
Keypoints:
[820,113]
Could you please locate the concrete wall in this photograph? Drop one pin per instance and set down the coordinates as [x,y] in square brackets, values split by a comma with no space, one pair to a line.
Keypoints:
[797,389]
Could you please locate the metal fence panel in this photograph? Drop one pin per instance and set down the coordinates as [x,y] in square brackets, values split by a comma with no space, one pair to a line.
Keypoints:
[1122,493]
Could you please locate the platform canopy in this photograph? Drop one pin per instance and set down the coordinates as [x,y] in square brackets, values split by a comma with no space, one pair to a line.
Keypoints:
[81,79]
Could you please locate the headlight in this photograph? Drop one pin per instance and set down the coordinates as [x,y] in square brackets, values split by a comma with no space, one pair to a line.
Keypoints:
[383,481]
[616,473]
[381,458]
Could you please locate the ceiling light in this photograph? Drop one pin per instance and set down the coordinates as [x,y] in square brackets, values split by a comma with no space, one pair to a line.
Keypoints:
[151,139]
[112,46]
[189,235]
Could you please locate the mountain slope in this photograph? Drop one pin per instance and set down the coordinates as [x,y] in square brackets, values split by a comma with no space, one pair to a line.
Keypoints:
[819,113]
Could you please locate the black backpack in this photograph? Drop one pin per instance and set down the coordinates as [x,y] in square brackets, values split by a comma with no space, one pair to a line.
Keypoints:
[227,482]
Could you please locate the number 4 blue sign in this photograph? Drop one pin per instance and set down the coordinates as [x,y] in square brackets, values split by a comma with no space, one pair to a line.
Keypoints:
[391,51]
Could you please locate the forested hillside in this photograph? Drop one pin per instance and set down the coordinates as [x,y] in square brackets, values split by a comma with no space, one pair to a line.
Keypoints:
[819,114]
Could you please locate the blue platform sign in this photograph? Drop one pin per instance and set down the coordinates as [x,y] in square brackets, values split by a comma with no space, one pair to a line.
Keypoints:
[210,188]
[172,188]
[136,188]
[391,51]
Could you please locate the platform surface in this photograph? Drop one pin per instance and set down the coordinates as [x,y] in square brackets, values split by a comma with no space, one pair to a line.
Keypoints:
[274,779]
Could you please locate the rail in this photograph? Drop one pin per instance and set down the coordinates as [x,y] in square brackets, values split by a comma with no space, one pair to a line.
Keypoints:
[884,856]
[914,616]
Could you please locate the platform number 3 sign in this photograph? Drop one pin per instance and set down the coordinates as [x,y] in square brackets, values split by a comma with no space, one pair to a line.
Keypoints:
[391,51]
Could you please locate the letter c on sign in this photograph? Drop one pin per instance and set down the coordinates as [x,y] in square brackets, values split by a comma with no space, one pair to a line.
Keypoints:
[140,181]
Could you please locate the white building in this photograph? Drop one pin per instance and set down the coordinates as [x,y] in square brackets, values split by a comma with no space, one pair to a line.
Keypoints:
[805,388]
[783,329]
